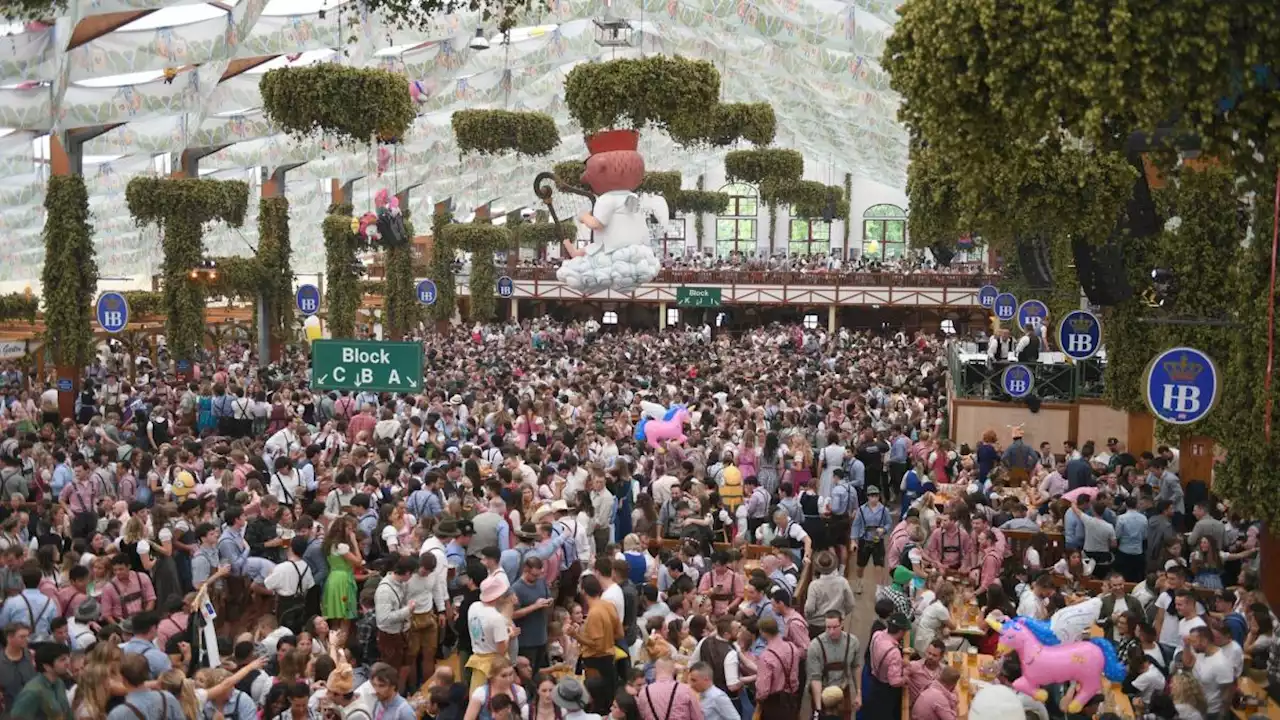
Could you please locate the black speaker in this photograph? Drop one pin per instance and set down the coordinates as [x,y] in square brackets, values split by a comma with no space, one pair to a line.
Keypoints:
[1101,268]
[943,254]
[1033,260]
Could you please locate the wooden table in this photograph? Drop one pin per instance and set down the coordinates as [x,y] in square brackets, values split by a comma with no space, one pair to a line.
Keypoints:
[1269,707]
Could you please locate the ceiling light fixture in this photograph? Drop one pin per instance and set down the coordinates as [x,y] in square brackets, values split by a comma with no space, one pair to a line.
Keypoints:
[479,42]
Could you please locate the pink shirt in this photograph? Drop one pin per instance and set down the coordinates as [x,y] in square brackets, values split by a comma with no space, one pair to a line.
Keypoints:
[886,659]
[69,598]
[122,599]
[796,631]
[778,669]
[726,583]
[657,702]
[919,678]
[169,626]
[897,541]
[358,424]
[989,568]
[950,549]
[935,703]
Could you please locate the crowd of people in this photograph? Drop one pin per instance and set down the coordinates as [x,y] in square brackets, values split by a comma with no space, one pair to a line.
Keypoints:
[501,545]
[910,263]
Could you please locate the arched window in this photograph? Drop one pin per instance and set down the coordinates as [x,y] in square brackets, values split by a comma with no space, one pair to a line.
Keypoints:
[884,232]
[809,237]
[736,228]
[610,317]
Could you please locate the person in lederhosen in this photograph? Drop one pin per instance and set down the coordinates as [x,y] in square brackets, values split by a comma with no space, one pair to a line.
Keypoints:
[882,695]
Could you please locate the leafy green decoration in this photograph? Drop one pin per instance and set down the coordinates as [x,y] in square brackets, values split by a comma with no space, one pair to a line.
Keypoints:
[181,207]
[848,198]
[756,166]
[144,303]
[725,124]
[569,173]
[20,306]
[699,196]
[70,273]
[440,266]
[274,253]
[45,10]
[342,292]
[638,93]
[403,312]
[659,182]
[541,235]
[482,239]
[354,104]
[426,15]
[491,132]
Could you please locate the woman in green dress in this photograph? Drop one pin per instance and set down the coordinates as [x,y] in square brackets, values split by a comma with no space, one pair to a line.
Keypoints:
[340,600]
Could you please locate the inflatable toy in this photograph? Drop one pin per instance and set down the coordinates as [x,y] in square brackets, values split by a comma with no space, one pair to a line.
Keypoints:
[1045,661]
[654,411]
[655,432]
[620,256]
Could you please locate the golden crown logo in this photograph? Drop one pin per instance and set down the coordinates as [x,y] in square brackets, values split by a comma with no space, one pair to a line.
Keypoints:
[1081,324]
[1183,370]
[111,302]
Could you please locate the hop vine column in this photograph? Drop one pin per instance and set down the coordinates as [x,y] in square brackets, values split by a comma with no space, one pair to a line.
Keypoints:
[275,301]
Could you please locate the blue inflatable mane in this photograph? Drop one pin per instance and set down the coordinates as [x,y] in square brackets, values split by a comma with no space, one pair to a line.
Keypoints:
[1041,629]
[1114,670]
[639,434]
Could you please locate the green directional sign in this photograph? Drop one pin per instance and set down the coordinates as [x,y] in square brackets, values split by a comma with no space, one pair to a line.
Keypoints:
[697,297]
[366,365]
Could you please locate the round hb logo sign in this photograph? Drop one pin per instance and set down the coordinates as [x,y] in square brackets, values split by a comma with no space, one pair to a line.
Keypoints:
[1032,314]
[1080,335]
[1182,385]
[1005,307]
[1017,381]
[113,312]
[987,296]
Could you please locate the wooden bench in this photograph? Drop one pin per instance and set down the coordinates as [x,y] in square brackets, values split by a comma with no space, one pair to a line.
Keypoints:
[1055,546]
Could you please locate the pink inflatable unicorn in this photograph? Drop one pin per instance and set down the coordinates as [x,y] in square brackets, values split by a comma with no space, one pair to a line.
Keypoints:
[655,432]
[1045,661]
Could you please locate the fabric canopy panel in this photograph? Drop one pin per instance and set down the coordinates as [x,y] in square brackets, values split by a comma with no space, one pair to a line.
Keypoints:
[815,61]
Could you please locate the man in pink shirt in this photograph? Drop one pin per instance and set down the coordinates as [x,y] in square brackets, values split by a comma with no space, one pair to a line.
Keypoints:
[899,537]
[981,525]
[797,628]
[922,672]
[939,701]
[948,546]
[667,699]
[722,585]
[777,674]
[883,697]
[128,593]
[364,422]
[990,560]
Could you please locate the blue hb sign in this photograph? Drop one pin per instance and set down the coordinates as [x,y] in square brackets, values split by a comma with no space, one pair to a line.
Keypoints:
[987,296]
[1017,381]
[1182,385]
[506,288]
[1005,306]
[1032,313]
[64,385]
[1080,335]
[113,311]
[427,292]
[308,299]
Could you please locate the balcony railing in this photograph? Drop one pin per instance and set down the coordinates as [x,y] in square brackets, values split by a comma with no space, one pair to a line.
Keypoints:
[1058,381]
[768,277]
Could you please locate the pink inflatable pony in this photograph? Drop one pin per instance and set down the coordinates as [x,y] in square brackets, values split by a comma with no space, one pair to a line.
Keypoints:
[1045,661]
[655,432]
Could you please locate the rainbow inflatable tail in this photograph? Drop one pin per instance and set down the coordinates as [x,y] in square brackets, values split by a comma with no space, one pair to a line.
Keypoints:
[1114,669]
[639,435]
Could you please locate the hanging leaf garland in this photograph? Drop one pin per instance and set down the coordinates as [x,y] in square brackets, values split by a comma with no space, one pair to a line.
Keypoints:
[542,235]
[492,132]
[440,267]
[638,93]
[403,312]
[481,239]
[342,294]
[756,166]
[19,306]
[274,259]
[698,197]
[569,173]
[181,207]
[144,304]
[354,104]
[725,124]
[848,198]
[70,273]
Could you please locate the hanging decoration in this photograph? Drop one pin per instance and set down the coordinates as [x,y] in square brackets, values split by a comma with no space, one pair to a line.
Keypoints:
[351,104]
[21,306]
[725,124]
[181,207]
[493,132]
[70,274]
[482,239]
[761,164]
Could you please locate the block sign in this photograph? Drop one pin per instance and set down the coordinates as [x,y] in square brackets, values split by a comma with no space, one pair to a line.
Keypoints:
[1032,314]
[987,296]
[506,288]
[1005,306]
[1017,380]
[1080,335]
[112,311]
[427,292]
[696,297]
[308,299]
[65,385]
[366,365]
[1182,385]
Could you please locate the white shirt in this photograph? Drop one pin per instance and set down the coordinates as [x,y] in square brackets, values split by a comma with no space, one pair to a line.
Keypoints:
[1185,626]
[283,580]
[1148,682]
[1213,671]
[1029,605]
[487,626]
[614,595]
[929,623]
[285,487]
[438,578]
[1235,654]
[82,636]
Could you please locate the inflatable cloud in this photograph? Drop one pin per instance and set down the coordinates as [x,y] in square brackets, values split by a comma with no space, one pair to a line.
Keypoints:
[620,256]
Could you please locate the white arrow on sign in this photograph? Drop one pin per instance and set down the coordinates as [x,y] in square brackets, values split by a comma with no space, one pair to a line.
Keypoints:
[413,383]
[322,379]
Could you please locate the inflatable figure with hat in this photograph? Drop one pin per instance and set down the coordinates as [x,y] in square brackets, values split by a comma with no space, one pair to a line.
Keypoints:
[620,256]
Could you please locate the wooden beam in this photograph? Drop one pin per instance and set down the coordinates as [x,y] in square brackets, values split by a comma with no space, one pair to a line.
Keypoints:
[236,67]
[95,26]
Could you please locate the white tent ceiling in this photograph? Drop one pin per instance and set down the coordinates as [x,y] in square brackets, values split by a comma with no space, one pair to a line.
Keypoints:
[815,61]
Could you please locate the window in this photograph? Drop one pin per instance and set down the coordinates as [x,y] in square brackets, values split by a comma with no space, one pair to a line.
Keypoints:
[672,242]
[884,232]
[736,228]
[609,318]
[673,316]
[810,237]
[948,326]
[811,322]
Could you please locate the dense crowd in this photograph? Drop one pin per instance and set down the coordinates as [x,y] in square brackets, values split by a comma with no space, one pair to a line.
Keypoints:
[912,263]
[501,544]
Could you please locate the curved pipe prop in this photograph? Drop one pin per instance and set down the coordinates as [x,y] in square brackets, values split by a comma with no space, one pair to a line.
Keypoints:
[545,186]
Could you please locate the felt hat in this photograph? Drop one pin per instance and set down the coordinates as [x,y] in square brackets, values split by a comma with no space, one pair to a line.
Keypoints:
[493,588]
[447,529]
[570,695]
[88,611]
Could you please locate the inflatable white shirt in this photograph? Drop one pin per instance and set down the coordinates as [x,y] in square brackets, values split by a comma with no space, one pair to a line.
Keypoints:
[621,257]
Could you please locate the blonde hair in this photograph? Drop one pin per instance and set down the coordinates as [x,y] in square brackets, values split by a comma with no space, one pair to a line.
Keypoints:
[133,530]
[176,683]
[631,543]
[93,690]
[1186,689]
